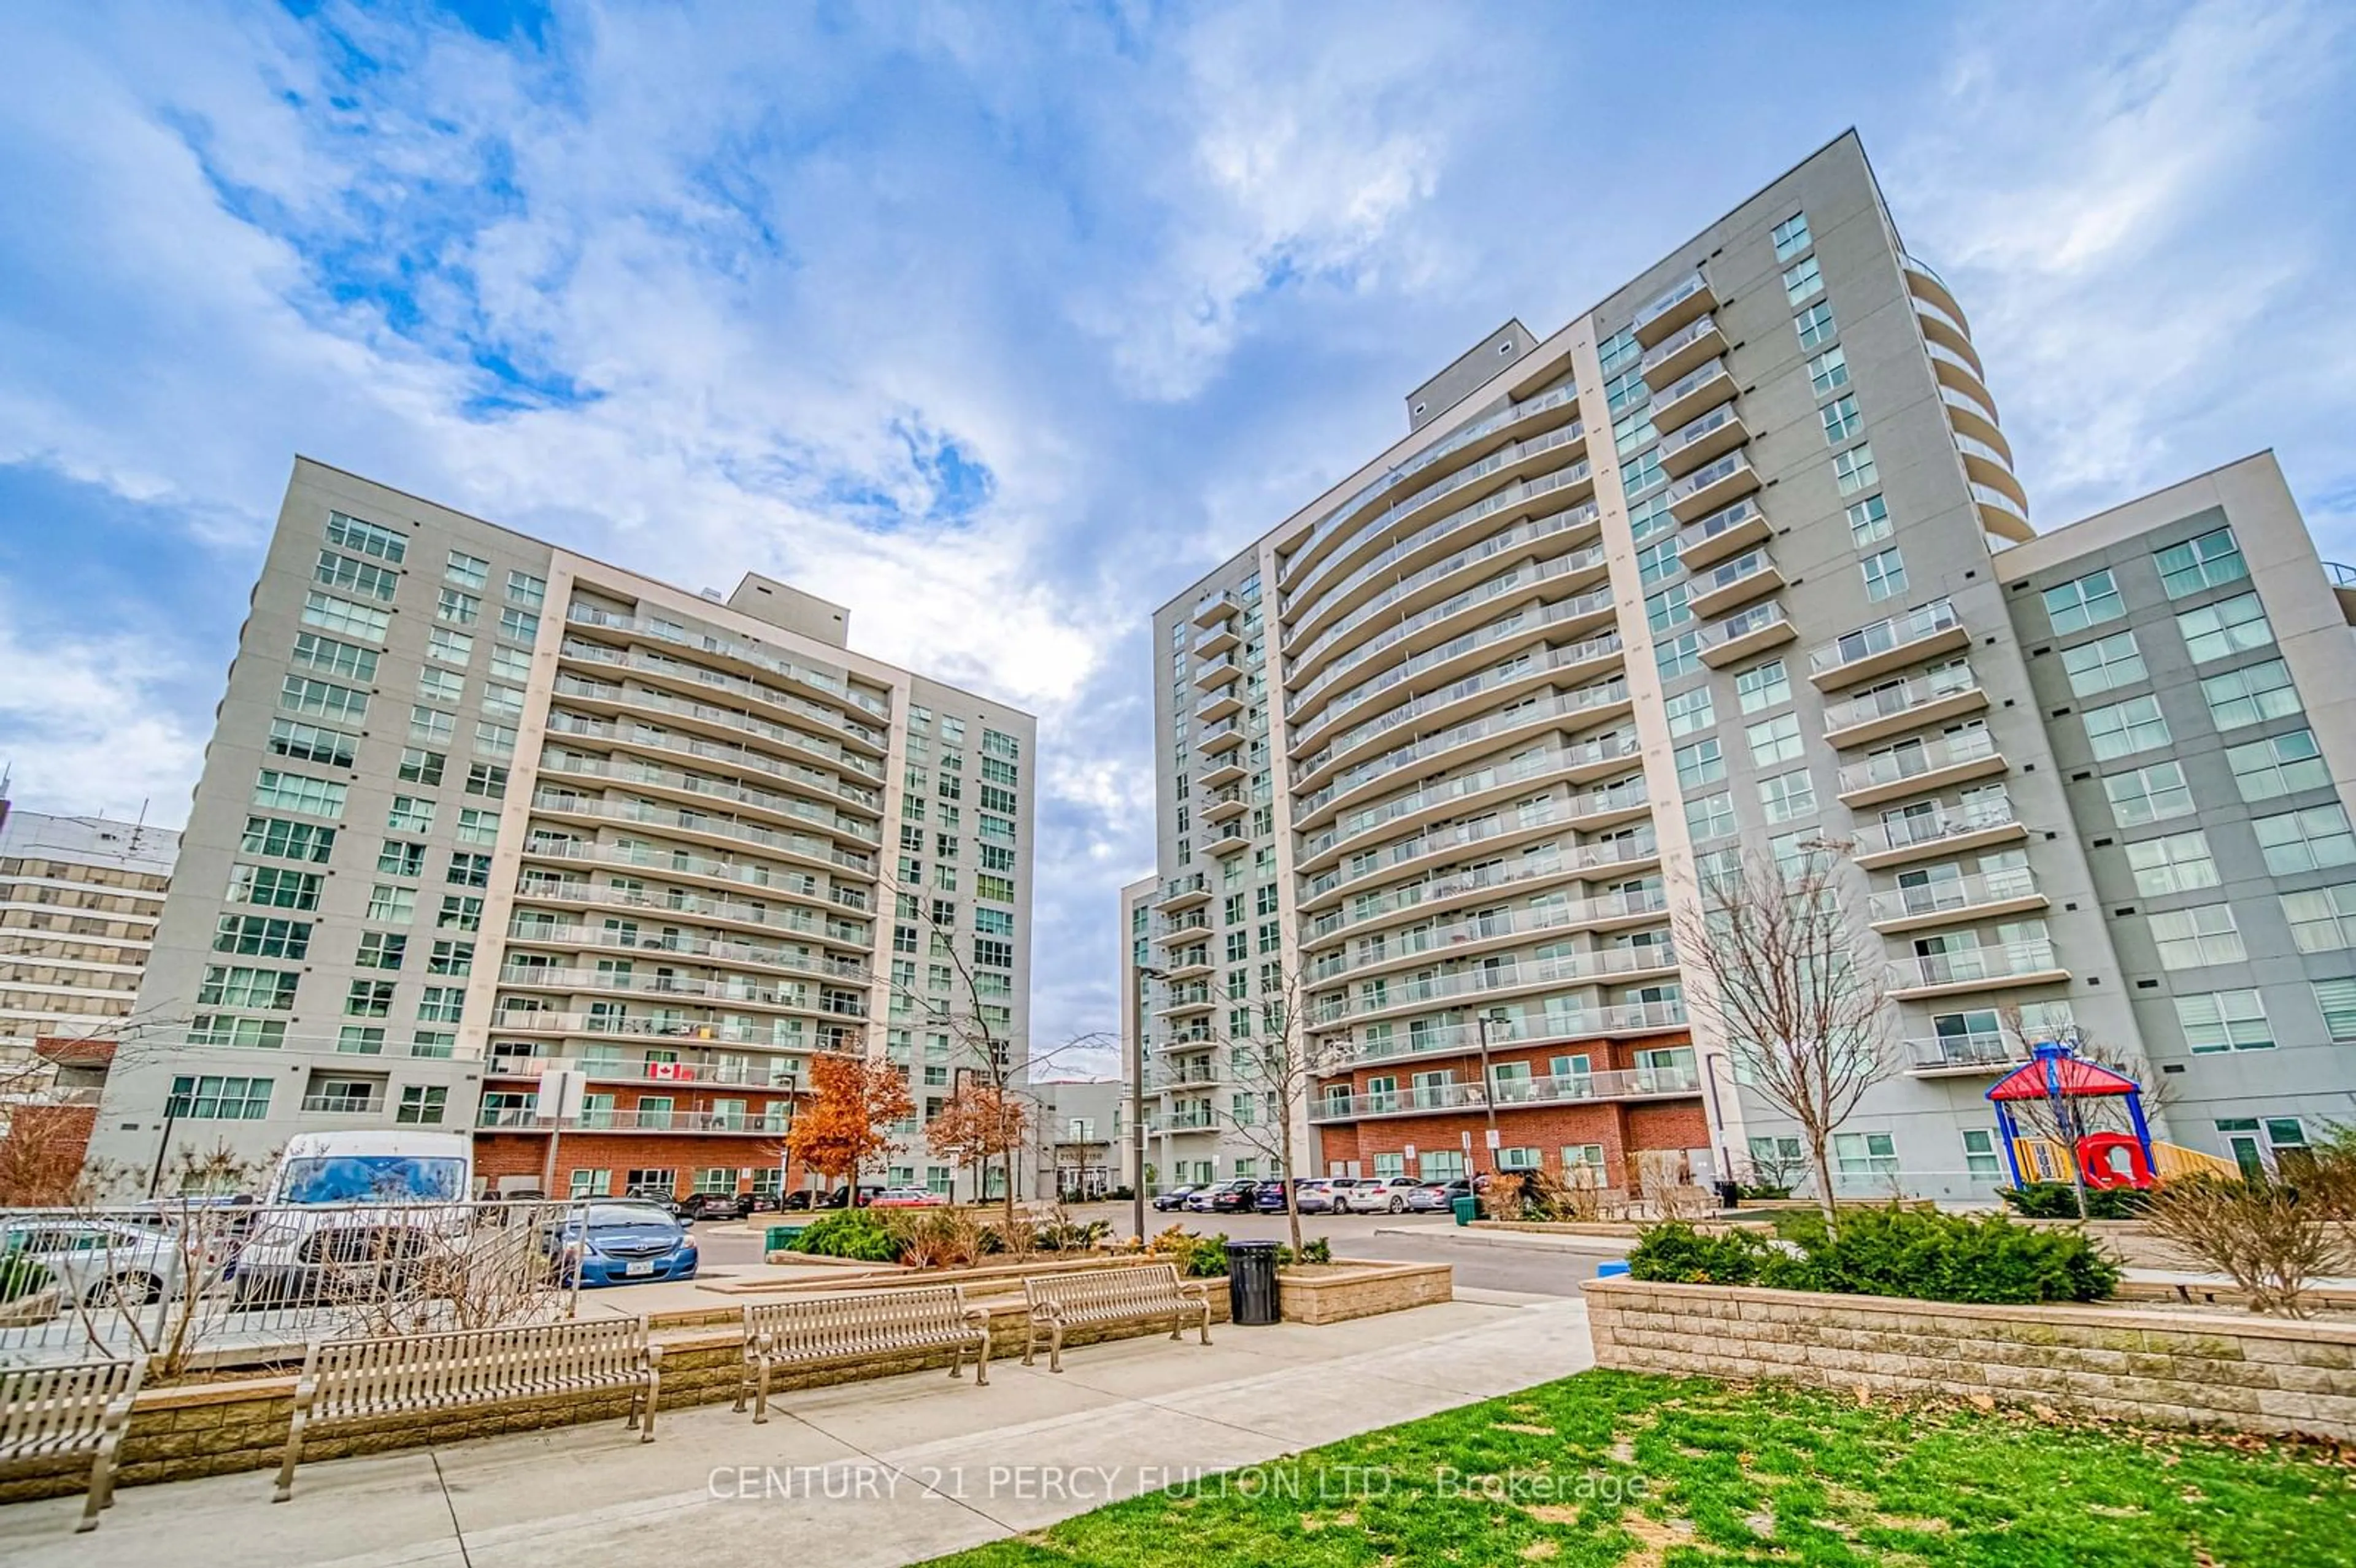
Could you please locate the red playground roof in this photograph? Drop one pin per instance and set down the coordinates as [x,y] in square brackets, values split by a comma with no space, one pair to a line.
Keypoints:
[2078,1079]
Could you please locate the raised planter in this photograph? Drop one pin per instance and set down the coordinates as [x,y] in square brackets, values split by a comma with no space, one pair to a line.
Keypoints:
[1335,1291]
[2158,1368]
[221,1428]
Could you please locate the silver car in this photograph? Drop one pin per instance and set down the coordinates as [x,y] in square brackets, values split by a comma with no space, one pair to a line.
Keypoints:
[1380,1194]
[98,1261]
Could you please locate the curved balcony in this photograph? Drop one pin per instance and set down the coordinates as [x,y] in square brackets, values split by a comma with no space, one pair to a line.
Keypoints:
[1595,699]
[1520,498]
[728,992]
[1610,857]
[1979,1052]
[1485,930]
[1522,462]
[1683,301]
[1582,813]
[1734,584]
[1989,467]
[1921,767]
[1925,284]
[1947,330]
[1415,592]
[1697,441]
[1590,968]
[1683,351]
[685,867]
[1482,647]
[577,690]
[1955,899]
[1626,1018]
[668,635]
[661,743]
[1998,966]
[1986,821]
[680,904]
[1889,643]
[1909,704]
[1555,404]
[770,1072]
[1692,395]
[666,670]
[1491,729]
[779,1033]
[527,933]
[1741,635]
[718,832]
[2001,515]
[697,788]
[1955,371]
[1457,795]
[1722,533]
[1711,486]
[525,1118]
[1966,415]
[1508,1094]
[2343,588]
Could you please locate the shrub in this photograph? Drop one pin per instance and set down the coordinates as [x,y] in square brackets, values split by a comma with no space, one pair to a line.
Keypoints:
[2059,1201]
[852,1233]
[1912,1253]
[936,1238]
[2274,1241]
[1066,1235]
[1675,1253]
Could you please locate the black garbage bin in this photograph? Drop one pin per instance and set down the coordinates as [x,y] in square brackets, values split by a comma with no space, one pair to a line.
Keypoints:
[1729,1195]
[1251,1282]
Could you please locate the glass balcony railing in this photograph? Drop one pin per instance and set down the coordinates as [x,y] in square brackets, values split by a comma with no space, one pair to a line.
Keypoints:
[1930,621]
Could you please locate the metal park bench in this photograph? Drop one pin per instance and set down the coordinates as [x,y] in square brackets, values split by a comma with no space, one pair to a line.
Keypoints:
[826,1329]
[346,1381]
[1085,1298]
[65,1410]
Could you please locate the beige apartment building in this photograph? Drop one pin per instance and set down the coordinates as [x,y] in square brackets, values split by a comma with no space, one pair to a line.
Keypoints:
[1737,564]
[80,897]
[478,807]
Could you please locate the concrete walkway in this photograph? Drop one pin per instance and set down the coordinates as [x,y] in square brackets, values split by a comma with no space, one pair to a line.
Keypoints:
[876,1473]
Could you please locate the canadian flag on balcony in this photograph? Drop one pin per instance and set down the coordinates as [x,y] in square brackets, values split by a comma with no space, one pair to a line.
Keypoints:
[670,1070]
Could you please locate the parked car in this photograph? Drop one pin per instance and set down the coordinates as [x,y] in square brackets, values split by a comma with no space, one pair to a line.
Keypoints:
[840,1197]
[1234,1197]
[1268,1197]
[1380,1194]
[1435,1196]
[908,1198]
[1175,1197]
[1323,1195]
[793,1201]
[98,1261]
[617,1242]
[714,1206]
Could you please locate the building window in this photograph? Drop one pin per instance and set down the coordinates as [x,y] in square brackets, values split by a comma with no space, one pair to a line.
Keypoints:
[1710,816]
[1980,1161]
[2337,998]
[422,1104]
[330,614]
[1868,521]
[2124,728]
[469,871]
[2251,695]
[294,792]
[1885,574]
[368,538]
[1853,470]
[2223,1021]
[1841,419]
[2193,938]
[369,1000]
[260,936]
[380,950]
[346,659]
[392,905]
[2209,561]
[1689,712]
[441,1004]
[2149,794]
[1792,237]
[1816,323]
[2083,601]
[457,609]
[273,888]
[399,859]
[1802,282]
[1828,372]
[2179,863]
[1788,796]
[420,767]
[2306,840]
[1762,687]
[1774,741]
[235,986]
[2278,765]
[1864,1155]
[1678,656]
[2104,664]
[283,840]
[525,590]
[211,1099]
[487,780]
[1699,763]
[2230,626]
[2323,920]
[342,572]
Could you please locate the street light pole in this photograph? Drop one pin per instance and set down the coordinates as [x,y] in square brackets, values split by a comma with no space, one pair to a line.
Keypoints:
[1488,1089]
[1137,1105]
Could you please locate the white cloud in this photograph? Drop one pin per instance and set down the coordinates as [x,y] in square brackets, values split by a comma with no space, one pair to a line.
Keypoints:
[86,725]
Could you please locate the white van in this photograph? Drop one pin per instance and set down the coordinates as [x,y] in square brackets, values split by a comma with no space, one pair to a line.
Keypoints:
[353,1200]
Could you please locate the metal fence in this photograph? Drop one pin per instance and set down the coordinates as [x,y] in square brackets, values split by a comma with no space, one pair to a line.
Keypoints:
[197,1281]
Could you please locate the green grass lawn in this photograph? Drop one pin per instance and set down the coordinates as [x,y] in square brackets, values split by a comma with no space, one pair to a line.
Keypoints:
[1761,1476]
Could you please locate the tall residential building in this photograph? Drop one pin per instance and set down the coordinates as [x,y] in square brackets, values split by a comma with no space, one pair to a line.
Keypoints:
[478,807]
[78,900]
[1737,563]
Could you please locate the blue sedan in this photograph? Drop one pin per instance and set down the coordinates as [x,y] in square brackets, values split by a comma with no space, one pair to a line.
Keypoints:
[627,1244]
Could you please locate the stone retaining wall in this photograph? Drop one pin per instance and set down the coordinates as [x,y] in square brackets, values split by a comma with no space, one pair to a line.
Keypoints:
[212,1429]
[2173,1369]
[1366,1289]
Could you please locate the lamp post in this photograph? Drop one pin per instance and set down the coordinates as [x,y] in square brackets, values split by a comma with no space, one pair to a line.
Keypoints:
[1137,1105]
[1488,1088]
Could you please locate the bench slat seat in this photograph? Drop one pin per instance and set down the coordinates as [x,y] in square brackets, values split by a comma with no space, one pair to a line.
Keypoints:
[865,1326]
[66,1409]
[1088,1298]
[349,1380]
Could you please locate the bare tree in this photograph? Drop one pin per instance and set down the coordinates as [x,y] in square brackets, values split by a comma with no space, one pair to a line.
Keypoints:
[1797,996]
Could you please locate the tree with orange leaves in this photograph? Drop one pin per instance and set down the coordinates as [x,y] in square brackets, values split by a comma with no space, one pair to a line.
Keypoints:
[978,1124]
[848,1121]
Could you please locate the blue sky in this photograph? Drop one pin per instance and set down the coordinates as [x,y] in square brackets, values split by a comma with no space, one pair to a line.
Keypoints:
[999,324]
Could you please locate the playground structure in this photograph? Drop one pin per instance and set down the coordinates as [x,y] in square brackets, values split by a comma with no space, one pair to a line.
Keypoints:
[2058,1078]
